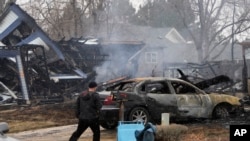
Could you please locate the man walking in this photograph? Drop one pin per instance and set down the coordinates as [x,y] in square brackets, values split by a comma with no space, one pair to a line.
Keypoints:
[88,106]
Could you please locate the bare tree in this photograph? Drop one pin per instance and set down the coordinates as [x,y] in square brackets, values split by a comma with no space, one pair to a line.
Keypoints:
[64,18]
[4,3]
[214,22]
[76,18]
[115,14]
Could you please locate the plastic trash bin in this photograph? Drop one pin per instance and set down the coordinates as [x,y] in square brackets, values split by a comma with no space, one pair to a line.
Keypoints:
[126,130]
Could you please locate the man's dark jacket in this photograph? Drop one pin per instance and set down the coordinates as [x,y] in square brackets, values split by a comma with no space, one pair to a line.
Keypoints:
[88,105]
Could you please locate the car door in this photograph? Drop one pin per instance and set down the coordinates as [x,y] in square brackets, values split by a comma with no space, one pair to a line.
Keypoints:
[191,101]
[159,99]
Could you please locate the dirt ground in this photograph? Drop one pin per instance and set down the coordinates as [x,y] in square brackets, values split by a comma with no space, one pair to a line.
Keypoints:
[57,122]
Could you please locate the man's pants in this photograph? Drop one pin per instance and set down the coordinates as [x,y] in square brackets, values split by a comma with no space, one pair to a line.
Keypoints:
[83,125]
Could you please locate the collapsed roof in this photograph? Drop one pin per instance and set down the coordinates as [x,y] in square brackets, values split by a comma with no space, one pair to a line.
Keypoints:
[18,28]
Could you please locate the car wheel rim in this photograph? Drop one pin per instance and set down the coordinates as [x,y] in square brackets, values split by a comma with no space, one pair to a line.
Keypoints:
[221,112]
[111,123]
[139,116]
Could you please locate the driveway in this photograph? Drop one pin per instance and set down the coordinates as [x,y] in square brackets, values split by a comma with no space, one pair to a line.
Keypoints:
[61,133]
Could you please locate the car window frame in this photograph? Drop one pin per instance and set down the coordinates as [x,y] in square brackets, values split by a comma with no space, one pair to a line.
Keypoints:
[197,90]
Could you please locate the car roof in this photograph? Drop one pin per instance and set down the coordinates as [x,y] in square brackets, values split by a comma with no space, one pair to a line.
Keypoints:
[138,79]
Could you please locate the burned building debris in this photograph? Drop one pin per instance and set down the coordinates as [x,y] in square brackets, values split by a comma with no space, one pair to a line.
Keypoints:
[20,72]
[206,83]
[36,66]
[216,76]
[48,71]
[27,72]
[84,53]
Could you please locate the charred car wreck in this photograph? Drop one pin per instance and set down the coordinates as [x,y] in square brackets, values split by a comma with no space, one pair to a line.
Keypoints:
[146,98]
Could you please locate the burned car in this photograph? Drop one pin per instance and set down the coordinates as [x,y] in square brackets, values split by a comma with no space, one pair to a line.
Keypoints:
[109,112]
[147,98]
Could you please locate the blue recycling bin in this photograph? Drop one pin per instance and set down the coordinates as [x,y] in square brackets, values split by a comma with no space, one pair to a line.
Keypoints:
[126,130]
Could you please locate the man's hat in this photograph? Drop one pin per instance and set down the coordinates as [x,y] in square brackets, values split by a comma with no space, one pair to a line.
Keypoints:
[92,84]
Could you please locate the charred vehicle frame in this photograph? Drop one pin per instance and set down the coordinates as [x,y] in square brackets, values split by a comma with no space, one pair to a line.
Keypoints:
[146,98]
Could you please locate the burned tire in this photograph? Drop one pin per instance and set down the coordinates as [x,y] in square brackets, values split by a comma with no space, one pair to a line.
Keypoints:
[221,112]
[139,114]
[112,124]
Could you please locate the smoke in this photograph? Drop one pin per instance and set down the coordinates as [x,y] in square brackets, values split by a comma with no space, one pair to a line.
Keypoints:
[147,59]
[117,64]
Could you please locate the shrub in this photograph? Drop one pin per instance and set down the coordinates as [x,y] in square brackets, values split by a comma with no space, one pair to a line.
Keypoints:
[170,132]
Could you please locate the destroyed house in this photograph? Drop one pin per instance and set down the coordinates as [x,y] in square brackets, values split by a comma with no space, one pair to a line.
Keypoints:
[27,53]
